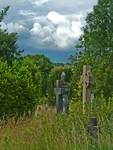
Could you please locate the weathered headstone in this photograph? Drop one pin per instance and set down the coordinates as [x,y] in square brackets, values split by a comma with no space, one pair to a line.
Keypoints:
[93,127]
[61,90]
[87,98]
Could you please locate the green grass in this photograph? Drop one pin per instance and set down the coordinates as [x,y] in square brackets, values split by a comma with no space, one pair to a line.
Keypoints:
[51,131]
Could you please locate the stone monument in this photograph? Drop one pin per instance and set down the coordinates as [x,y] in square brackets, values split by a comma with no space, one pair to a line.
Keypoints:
[61,90]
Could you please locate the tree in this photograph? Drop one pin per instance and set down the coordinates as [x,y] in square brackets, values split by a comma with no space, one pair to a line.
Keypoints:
[45,66]
[8,42]
[3,13]
[97,42]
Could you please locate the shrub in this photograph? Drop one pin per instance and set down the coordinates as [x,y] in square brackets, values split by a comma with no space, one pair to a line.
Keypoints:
[19,88]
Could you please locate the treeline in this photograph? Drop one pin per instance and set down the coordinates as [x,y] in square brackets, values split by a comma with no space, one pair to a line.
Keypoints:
[25,82]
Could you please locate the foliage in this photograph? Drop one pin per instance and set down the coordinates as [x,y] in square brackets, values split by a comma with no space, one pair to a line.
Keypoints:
[45,66]
[97,45]
[8,42]
[3,13]
[19,88]
[60,132]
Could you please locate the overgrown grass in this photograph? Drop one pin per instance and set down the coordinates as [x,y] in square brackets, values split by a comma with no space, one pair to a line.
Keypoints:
[51,131]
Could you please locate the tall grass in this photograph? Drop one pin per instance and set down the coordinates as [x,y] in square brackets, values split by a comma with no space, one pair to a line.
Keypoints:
[51,131]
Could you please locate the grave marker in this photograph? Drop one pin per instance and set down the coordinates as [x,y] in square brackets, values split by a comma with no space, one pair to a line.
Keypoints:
[61,90]
[87,97]
[86,80]
[59,102]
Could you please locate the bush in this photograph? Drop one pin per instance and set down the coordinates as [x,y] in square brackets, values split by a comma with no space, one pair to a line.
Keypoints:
[19,88]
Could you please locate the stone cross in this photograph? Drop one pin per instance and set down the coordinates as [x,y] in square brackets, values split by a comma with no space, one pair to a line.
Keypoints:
[61,91]
[86,80]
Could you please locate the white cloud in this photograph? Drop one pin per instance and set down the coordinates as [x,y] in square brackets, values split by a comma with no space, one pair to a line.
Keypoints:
[62,37]
[56,18]
[76,29]
[56,29]
[42,34]
[41,31]
[65,36]
[27,13]
[37,29]
[50,22]
[39,2]
[13,27]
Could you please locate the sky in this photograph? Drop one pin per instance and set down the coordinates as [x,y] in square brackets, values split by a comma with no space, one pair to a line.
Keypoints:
[49,27]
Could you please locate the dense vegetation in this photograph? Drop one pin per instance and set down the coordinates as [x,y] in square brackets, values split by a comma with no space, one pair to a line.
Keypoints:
[26,82]
[49,131]
[97,45]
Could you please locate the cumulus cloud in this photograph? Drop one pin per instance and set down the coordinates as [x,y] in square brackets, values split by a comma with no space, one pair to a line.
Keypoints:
[58,30]
[56,18]
[65,36]
[42,34]
[41,31]
[47,24]
[37,30]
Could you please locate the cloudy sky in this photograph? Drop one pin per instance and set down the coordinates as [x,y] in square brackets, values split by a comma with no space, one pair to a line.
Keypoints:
[50,27]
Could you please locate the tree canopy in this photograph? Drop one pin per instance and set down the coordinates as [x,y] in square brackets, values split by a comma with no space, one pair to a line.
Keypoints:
[97,45]
[8,42]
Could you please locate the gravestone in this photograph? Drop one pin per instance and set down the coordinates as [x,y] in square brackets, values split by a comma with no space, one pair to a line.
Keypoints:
[61,90]
[59,102]
[87,97]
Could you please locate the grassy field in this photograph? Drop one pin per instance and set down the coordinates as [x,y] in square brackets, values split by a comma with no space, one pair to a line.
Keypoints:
[51,131]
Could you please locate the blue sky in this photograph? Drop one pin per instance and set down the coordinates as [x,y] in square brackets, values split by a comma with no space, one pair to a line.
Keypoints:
[50,27]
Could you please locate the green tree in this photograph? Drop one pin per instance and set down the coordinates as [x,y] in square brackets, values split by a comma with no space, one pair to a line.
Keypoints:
[45,65]
[97,44]
[8,42]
